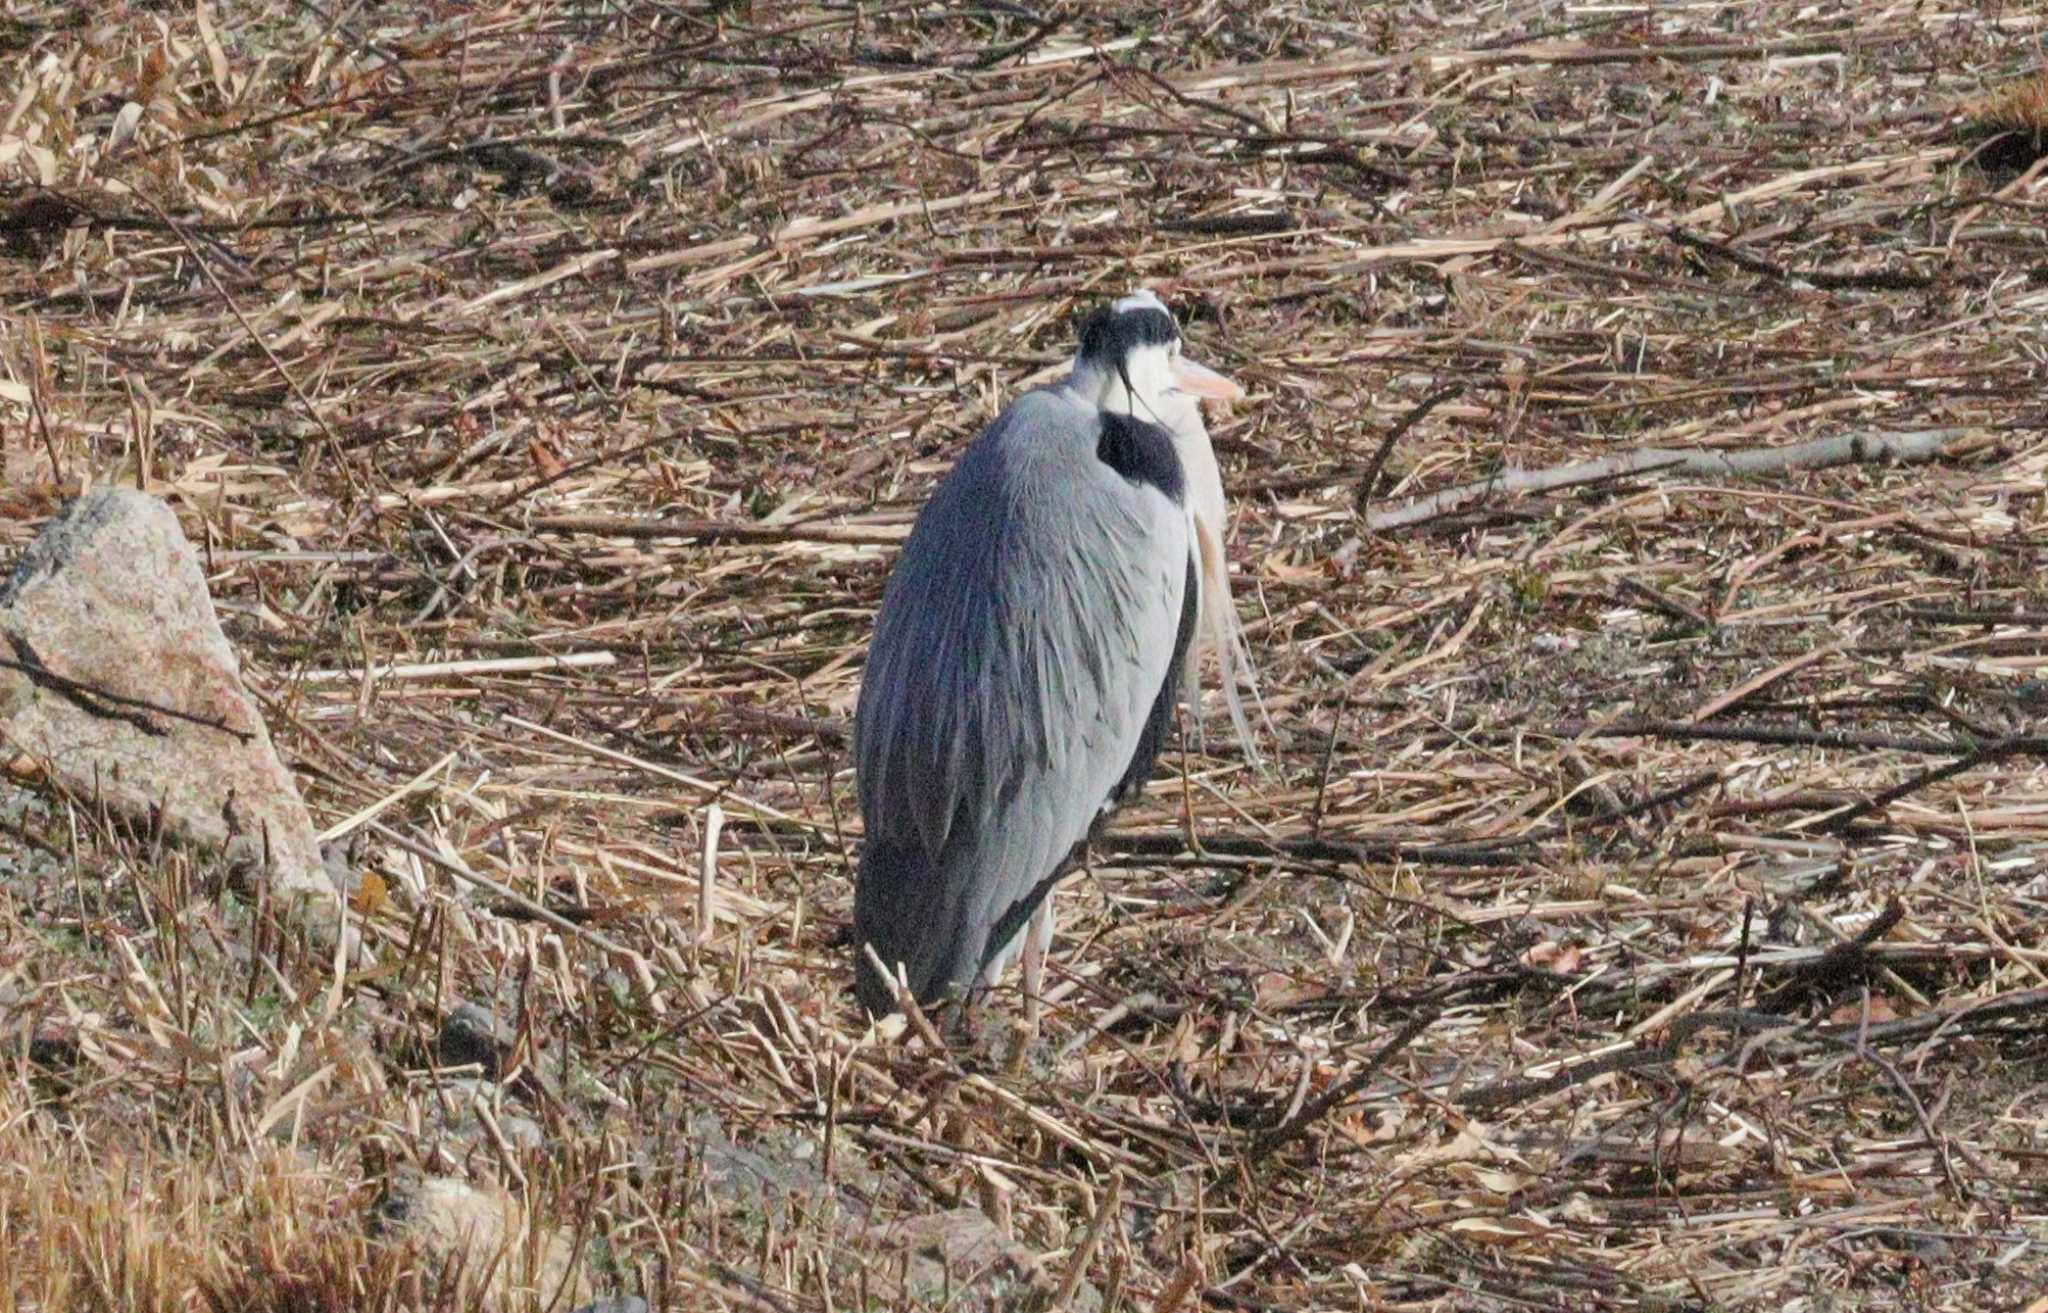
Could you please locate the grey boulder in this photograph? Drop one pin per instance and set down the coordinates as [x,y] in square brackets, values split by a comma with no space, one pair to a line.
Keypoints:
[116,681]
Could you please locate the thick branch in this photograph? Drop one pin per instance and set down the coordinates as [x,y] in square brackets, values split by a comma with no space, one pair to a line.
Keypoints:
[1746,463]
[1792,736]
[718,531]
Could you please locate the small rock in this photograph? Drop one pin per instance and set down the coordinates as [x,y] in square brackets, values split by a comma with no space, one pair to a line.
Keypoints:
[522,1132]
[771,1182]
[961,1250]
[476,1230]
[915,1262]
[342,859]
[24,862]
[470,1036]
[120,683]
[467,1100]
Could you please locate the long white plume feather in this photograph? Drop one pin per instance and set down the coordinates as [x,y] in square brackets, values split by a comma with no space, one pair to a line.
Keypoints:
[1217,627]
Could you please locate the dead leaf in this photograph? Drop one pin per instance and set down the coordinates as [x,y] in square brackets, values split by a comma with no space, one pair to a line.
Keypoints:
[1186,1044]
[370,895]
[216,58]
[1501,1230]
[1277,989]
[1852,1013]
[1277,567]
[544,460]
[1497,1183]
[1558,959]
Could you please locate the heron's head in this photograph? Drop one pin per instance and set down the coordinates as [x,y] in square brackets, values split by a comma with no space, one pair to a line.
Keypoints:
[1131,362]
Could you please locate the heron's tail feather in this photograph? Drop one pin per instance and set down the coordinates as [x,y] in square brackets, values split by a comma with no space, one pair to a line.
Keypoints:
[898,908]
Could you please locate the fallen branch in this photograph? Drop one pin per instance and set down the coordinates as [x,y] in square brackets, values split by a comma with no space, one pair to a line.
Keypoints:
[1942,615]
[1319,1107]
[457,669]
[1994,751]
[1885,279]
[1964,1018]
[1369,849]
[1747,463]
[1370,483]
[1666,603]
[1679,731]
[90,700]
[717,531]
[529,906]
[1361,851]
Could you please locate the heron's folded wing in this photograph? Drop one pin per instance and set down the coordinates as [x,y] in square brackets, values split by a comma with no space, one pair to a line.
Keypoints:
[1027,631]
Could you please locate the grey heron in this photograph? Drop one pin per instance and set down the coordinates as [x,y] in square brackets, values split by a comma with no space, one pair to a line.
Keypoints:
[1028,656]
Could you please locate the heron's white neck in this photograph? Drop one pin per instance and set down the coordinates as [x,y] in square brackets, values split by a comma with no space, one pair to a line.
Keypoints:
[1143,388]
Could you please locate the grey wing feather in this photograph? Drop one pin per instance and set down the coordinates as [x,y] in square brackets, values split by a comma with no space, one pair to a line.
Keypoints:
[1024,640]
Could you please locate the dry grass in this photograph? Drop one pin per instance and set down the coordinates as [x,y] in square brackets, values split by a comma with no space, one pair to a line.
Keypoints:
[633,334]
[2016,116]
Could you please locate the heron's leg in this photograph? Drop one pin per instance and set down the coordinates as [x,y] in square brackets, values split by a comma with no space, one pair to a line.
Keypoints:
[1037,943]
[1187,797]
[964,1018]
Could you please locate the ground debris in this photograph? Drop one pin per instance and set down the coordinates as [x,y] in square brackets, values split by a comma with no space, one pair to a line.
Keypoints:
[544,392]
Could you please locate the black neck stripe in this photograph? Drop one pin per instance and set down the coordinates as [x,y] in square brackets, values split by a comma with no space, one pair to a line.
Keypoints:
[1141,452]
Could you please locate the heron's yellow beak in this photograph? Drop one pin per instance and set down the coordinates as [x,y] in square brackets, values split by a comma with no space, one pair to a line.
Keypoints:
[1202,381]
